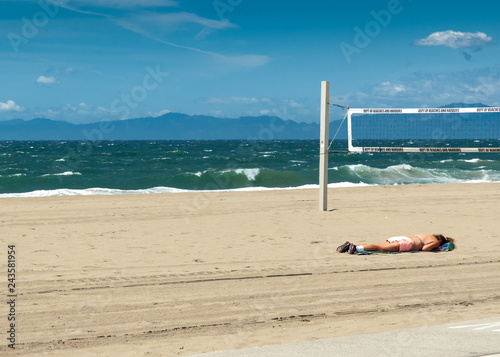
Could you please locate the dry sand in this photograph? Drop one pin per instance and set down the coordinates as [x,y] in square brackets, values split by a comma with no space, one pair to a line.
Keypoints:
[176,274]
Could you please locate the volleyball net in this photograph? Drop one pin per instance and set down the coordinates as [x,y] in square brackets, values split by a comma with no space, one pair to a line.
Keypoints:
[424,130]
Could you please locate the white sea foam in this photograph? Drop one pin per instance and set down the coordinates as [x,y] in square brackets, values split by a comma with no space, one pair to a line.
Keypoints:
[108,191]
[407,174]
[91,191]
[66,173]
[251,174]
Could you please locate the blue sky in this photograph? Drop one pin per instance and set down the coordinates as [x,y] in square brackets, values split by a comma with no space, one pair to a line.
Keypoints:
[92,60]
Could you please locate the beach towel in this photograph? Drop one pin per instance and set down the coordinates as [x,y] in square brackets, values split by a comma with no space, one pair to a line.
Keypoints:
[447,247]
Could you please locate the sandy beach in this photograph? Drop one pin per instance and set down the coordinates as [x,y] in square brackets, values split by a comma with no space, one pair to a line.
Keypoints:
[184,273]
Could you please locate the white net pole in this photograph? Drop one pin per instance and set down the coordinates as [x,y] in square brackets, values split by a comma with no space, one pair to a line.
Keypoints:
[323,146]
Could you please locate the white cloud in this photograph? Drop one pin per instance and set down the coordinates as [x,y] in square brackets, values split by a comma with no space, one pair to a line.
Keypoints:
[10,106]
[455,39]
[244,100]
[177,18]
[160,113]
[255,102]
[203,33]
[294,104]
[213,100]
[284,108]
[46,81]
[154,26]
[234,100]
[240,61]
[389,89]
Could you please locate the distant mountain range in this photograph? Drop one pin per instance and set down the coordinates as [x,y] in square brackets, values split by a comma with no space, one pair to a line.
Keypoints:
[465,105]
[173,126]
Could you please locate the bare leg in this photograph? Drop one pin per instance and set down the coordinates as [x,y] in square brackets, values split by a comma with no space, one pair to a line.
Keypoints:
[384,247]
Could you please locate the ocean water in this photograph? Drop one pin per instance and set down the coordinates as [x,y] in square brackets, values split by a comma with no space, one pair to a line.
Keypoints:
[47,168]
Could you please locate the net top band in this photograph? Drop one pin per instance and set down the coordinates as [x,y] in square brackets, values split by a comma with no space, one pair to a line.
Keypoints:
[422,110]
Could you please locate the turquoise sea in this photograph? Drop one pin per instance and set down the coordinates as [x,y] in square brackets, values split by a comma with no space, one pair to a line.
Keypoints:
[47,168]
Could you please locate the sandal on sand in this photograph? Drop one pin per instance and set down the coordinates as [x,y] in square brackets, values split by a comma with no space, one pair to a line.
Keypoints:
[344,247]
[352,249]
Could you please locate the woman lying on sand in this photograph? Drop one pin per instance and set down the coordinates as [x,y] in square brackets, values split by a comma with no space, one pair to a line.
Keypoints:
[426,242]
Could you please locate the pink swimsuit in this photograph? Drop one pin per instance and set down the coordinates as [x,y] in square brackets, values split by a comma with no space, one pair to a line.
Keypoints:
[405,243]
